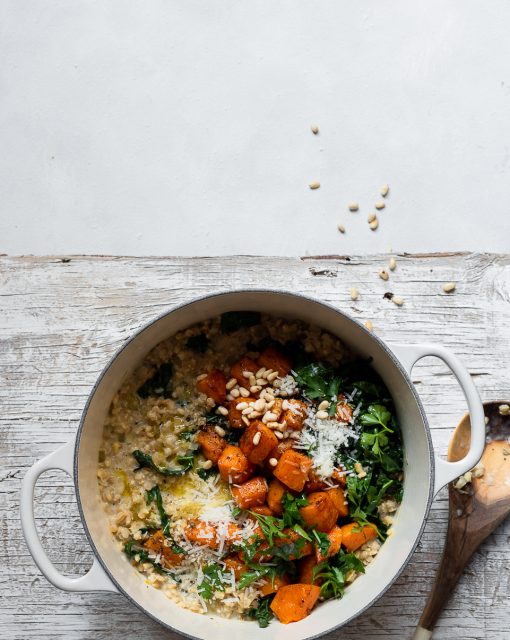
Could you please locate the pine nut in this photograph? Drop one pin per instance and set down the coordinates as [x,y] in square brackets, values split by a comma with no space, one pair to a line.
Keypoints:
[369,325]
[354,293]
[241,405]
[261,382]
[260,372]
[504,410]
[270,417]
[374,224]
[273,462]
[324,405]
[449,287]
[221,432]
[371,217]
[244,392]
[235,393]
[315,129]
[255,388]
[223,411]
[252,380]
[398,301]
[210,403]
[314,185]
[267,372]
[383,274]
[322,415]
[272,376]
[246,421]
[247,374]
[259,405]
[207,464]
[379,205]
[256,438]
[231,383]
[341,228]
[253,415]
[279,435]
[384,190]
[202,376]
[353,206]
[392,264]
[229,397]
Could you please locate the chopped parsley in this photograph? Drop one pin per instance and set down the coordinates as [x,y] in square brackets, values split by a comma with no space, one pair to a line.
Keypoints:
[262,612]
[215,579]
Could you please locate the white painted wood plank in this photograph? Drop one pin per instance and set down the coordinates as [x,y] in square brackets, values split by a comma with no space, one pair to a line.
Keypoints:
[61,321]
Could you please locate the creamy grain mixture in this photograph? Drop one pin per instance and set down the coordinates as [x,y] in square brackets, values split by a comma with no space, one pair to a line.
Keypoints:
[192,534]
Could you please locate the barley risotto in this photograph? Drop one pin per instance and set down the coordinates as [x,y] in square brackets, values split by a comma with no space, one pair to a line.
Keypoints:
[252,467]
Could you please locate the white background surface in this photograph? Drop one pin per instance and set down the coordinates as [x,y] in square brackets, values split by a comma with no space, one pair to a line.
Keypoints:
[184,127]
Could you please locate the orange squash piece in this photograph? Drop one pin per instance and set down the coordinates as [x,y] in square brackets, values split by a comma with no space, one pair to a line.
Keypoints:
[354,535]
[295,415]
[273,359]
[235,416]
[272,585]
[211,443]
[343,410]
[244,365]
[320,512]
[251,493]
[275,493]
[156,545]
[234,466]
[262,510]
[204,533]
[335,539]
[294,602]
[239,567]
[339,500]
[214,385]
[267,440]
[292,469]
[306,567]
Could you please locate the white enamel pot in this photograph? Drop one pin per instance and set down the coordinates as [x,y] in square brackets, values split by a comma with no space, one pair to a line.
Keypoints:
[425,473]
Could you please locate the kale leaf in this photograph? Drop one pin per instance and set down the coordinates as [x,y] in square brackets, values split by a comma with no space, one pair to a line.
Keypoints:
[262,612]
[159,384]
[234,320]
[215,579]
[198,343]
[154,495]
[145,461]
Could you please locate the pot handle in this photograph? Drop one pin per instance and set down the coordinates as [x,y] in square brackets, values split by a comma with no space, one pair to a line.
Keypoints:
[95,579]
[446,471]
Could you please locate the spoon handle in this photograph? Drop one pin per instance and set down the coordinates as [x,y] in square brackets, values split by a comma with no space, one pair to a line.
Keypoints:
[458,549]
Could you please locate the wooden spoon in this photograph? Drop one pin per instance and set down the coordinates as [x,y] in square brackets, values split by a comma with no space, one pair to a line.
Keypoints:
[474,511]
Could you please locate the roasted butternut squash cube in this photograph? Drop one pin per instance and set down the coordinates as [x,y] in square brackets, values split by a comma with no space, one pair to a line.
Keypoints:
[257,447]
[214,385]
[292,469]
[244,365]
[251,493]
[211,443]
[320,512]
[272,358]
[295,414]
[234,466]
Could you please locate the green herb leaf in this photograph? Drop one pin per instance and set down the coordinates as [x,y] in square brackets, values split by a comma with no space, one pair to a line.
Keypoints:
[198,343]
[291,506]
[377,414]
[159,384]
[322,542]
[234,320]
[145,461]
[318,382]
[262,612]
[132,549]
[334,572]
[154,495]
[271,527]
[215,579]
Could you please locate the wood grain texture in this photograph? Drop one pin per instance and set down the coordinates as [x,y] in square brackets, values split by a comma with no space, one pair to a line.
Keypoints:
[61,322]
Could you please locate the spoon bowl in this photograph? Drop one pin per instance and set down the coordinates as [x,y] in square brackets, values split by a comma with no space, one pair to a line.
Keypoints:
[476,508]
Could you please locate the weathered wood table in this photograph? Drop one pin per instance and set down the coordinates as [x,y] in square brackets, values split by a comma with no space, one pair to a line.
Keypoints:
[61,320]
